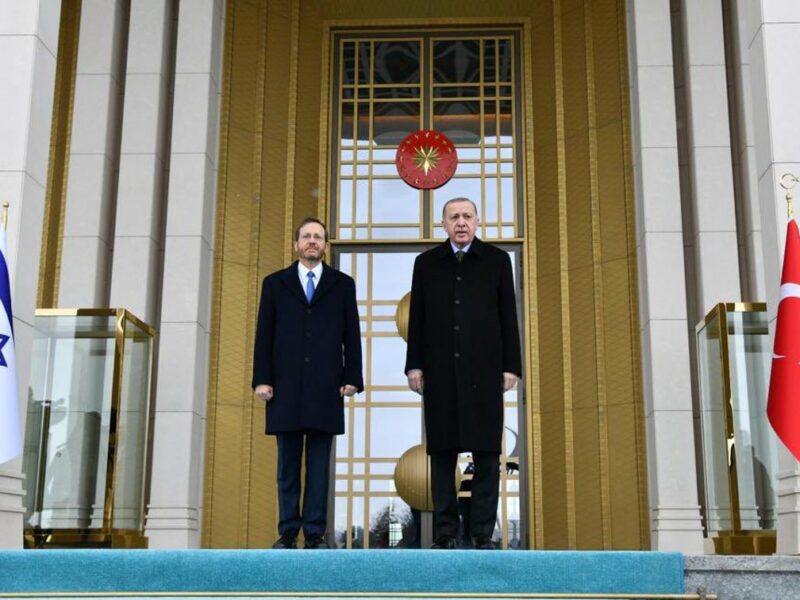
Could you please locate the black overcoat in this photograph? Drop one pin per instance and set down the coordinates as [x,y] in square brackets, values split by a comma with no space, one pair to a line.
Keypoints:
[306,352]
[463,334]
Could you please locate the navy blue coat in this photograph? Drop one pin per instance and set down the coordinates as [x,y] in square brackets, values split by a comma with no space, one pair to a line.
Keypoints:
[306,352]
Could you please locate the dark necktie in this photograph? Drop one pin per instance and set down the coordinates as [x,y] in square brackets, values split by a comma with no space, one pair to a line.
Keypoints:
[460,255]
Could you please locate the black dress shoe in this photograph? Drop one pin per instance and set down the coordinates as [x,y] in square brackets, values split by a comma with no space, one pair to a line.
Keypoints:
[444,543]
[316,542]
[287,541]
[484,544]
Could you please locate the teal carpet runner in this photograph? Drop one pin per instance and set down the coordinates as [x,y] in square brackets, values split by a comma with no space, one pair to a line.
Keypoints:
[336,571]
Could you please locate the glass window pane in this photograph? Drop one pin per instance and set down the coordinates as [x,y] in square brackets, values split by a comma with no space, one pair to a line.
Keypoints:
[346,134]
[394,430]
[362,200]
[387,360]
[384,169]
[489,56]
[507,196]
[393,121]
[364,63]
[397,62]
[506,122]
[394,201]
[391,273]
[461,91]
[468,168]
[362,134]
[504,52]
[456,61]
[388,154]
[394,396]
[396,233]
[457,187]
[490,121]
[359,425]
[459,120]
[396,92]
[348,63]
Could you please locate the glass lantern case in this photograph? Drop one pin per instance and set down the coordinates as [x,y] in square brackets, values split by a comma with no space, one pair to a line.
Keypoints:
[87,429]
[739,447]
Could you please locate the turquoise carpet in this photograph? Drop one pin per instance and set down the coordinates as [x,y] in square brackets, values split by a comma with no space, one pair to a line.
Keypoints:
[334,571]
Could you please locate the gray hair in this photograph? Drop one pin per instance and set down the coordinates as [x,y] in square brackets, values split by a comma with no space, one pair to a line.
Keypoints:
[453,201]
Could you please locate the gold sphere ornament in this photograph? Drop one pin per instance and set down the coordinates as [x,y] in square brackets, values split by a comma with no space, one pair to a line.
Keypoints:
[402,315]
[412,478]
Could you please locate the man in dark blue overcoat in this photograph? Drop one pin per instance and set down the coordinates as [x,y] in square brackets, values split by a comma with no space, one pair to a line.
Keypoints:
[463,353]
[307,357]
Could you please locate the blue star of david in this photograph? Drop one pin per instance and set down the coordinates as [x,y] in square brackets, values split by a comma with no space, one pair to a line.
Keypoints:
[3,341]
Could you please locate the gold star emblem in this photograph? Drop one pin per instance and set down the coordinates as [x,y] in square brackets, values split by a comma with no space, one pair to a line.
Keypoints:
[426,158]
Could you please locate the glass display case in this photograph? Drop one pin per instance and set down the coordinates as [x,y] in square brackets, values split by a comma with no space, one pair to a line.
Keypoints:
[87,429]
[739,447]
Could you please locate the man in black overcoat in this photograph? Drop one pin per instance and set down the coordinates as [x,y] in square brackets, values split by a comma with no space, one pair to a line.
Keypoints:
[307,357]
[463,353]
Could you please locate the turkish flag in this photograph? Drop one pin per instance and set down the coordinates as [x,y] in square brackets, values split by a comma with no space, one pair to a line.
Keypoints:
[783,405]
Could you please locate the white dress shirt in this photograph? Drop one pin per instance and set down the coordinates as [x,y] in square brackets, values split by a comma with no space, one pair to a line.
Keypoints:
[303,270]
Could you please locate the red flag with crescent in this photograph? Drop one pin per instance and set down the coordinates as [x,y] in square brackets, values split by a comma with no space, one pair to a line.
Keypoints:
[783,405]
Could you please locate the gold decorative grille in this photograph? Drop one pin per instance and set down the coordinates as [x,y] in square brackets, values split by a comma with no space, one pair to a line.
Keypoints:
[384,89]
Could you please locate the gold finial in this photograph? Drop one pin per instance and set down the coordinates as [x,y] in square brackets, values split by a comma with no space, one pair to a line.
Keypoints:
[788,181]
[5,214]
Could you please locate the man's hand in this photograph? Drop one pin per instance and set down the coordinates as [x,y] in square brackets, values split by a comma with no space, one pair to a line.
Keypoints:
[347,390]
[264,392]
[509,381]
[415,380]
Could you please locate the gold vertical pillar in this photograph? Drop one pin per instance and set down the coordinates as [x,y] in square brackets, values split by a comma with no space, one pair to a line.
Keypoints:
[58,165]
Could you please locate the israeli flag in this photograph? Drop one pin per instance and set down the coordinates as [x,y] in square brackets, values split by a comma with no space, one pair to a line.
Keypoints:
[10,424]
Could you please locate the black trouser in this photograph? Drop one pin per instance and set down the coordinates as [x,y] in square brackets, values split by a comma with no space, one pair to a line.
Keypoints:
[314,517]
[485,488]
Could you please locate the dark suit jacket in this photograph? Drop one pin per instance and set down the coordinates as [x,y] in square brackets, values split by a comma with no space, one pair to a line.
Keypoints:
[306,352]
[463,334]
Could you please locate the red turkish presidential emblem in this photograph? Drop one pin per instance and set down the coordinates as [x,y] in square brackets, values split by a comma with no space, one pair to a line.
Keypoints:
[426,159]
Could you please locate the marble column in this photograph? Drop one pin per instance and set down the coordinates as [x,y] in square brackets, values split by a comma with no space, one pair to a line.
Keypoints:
[175,510]
[147,115]
[94,154]
[744,155]
[674,510]
[710,174]
[28,48]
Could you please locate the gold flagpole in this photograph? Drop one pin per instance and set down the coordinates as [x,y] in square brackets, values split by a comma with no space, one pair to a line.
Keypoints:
[788,181]
[5,215]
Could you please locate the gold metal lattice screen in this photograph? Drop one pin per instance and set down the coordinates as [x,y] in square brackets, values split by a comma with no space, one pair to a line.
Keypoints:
[384,89]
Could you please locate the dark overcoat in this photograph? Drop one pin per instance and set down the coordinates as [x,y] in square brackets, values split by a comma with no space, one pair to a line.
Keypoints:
[306,352]
[463,334]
